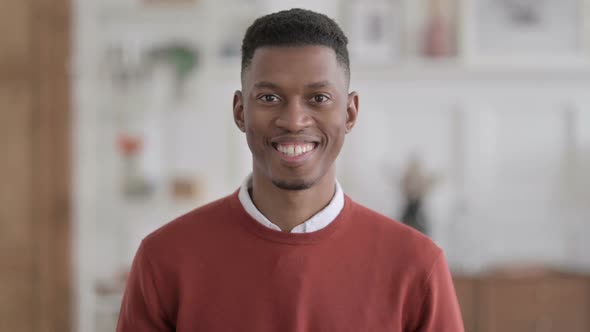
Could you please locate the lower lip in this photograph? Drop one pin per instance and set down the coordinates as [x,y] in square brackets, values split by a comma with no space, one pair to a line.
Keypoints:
[296,160]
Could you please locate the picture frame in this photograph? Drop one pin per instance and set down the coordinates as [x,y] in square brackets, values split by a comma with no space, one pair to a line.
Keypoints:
[375,29]
[168,2]
[525,33]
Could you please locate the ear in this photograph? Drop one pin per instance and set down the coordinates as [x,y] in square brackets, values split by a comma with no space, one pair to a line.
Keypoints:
[352,110]
[239,110]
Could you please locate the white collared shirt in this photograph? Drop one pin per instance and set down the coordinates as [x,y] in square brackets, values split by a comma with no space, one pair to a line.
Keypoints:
[315,223]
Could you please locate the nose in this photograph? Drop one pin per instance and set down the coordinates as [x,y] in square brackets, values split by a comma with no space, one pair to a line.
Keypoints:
[294,117]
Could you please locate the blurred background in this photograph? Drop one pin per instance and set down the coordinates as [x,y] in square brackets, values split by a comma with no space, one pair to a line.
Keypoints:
[474,128]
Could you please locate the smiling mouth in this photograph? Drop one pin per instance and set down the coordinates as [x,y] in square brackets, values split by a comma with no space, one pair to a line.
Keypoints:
[294,149]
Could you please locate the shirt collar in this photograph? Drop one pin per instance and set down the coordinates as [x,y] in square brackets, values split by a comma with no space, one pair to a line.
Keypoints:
[320,220]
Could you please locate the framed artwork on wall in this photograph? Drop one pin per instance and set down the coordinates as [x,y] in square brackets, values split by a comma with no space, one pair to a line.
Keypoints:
[539,33]
[375,30]
[169,2]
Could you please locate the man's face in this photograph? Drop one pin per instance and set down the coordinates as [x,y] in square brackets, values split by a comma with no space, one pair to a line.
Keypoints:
[295,110]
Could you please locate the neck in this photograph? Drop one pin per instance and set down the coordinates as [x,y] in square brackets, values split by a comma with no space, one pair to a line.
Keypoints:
[289,208]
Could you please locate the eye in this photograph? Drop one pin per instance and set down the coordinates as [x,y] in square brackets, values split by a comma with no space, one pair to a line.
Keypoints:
[269,98]
[320,99]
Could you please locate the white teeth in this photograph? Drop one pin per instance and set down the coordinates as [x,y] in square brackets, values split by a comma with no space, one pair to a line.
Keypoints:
[293,150]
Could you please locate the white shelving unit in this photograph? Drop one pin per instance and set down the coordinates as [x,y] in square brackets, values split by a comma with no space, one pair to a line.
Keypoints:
[448,97]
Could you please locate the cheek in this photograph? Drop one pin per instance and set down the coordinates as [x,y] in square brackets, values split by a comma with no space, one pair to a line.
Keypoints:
[338,139]
[336,129]
[337,133]
[250,134]
[254,139]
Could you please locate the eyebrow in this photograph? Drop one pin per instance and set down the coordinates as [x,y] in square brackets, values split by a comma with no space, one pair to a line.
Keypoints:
[317,85]
[270,85]
[264,84]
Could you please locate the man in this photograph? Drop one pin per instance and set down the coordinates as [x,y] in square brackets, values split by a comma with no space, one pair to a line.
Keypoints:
[289,251]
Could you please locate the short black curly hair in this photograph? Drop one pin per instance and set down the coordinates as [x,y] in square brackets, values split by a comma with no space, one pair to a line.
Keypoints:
[295,27]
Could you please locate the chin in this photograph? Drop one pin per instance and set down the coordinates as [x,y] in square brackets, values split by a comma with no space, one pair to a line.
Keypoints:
[294,185]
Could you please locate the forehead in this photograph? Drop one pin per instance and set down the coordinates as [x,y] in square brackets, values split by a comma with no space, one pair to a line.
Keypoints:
[290,66]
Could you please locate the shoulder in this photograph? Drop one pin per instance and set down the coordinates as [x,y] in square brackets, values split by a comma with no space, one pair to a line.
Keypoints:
[402,242]
[191,227]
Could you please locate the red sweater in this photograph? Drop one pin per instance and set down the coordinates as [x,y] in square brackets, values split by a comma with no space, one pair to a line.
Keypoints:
[216,269]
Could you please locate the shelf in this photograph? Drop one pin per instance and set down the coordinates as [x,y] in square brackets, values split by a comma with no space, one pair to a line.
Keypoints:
[135,14]
[431,70]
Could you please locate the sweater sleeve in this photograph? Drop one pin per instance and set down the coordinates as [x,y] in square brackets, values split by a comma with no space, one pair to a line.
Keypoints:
[141,309]
[440,310]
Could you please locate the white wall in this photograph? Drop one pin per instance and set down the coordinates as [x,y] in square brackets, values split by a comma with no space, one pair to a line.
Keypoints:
[513,153]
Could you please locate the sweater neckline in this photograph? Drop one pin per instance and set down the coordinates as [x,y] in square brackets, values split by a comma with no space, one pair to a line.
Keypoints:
[318,221]
[241,216]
